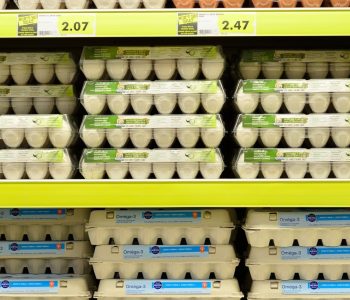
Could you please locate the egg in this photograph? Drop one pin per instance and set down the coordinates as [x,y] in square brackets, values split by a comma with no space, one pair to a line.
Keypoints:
[106,4]
[4,105]
[92,171]
[319,170]
[246,137]
[213,103]
[93,138]
[117,138]
[117,170]
[341,102]
[13,170]
[213,68]
[263,3]
[164,170]
[184,3]
[249,70]
[37,171]
[272,171]
[317,70]
[77,4]
[66,72]
[36,137]
[188,137]
[61,171]
[141,69]
[319,102]
[94,104]
[295,70]
[233,3]
[21,73]
[271,102]
[246,170]
[12,138]
[154,4]
[61,137]
[212,137]
[44,105]
[341,137]
[294,137]
[164,137]
[187,170]
[66,105]
[165,68]
[117,68]
[28,4]
[4,73]
[140,170]
[188,68]
[340,70]
[295,102]
[311,3]
[189,103]
[118,104]
[271,137]
[211,170]
[247,103]
[129,4]
[21,105]
[43,73]
[341,170]
[141,103]
[165,103]
[272,70]
[141,137]
[318,136]
[296,170]
[93,69]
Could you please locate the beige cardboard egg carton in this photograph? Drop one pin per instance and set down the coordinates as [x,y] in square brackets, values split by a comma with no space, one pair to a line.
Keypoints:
[283,227]
[175,261]
[123,226]
[168,289]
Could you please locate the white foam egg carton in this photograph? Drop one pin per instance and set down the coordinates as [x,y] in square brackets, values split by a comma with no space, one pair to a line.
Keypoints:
[142,96]
[142,63]
[141,163]
[293,96]
[175,261]
[295,64]
[308,262]
[168,289]
[117,130]
[147,226]
[283,227]
[294,129]
[37,131]
[298,163]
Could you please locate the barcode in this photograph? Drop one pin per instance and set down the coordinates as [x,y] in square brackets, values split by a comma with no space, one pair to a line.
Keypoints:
[46,32]
[205,31]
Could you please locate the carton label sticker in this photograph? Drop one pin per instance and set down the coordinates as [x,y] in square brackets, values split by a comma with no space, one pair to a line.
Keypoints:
[28,286]
[312,253]
[318,287]
[153,217]
[32,214]
[32,248]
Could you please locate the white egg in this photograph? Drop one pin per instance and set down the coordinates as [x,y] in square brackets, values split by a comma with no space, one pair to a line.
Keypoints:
[21,105]
[129,4]
[295,70]
[341,137]
[117,68]
[154,4]
[51,4]
[164,170]
[211,170]
[213,103]
[13,170]
[188,137]
[118,104]
[21,73]
[77,4]
[165,68]
[117,170]
[246,137]
[272,171]
[250,70]
[295,102]
[294,137]
[213,68]
[319,170]
[247,103]
[318,137]
[165,103]
[28,4]
[340,70]
[43,73]
[272,70]
[61,171]
[187,170]
[4,105]
[341,170]
[36,137]
[141,69]
[93,69]
[296,170]
[141,137]
[164,137]
[319,102]
[106,4]
[94,104]
[93,138]
[271,137]
[66,105]
[92,171]
[12,138]
[66,72]
[341,102]
[246,170]
[4,73]
[44,105]
[188,68]
[212,137]
[141,103]
[61,137]
[37,171]
[317,70]
[140,170]
[271,102]
[117,138]
[189,103]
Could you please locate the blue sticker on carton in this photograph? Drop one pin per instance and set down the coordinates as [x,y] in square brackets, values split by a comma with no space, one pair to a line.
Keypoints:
[315,287]
[312,253]
[32,214]
[28,286]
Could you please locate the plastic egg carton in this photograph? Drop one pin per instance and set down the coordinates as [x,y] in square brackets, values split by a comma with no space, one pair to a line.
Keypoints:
[123,226]
[295,64]
[308,262]
[282,227]
[175,261]
[96,130]
[294,129]
[293,96]
[208,3]
[37,131]
[142,63]
[168,289]
[165,96]
[141,163]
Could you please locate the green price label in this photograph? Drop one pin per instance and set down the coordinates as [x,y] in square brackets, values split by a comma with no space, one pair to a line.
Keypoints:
[237,23]
[77,24]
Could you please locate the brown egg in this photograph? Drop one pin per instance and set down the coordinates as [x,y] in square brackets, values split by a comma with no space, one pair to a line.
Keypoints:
[208,3]
[262,3]
[287,3]
[233,3]
[184,3]
[311,3]
[340,3]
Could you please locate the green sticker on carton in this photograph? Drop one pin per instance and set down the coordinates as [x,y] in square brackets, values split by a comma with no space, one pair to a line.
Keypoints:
[54,121]
[273,121]
[272,155]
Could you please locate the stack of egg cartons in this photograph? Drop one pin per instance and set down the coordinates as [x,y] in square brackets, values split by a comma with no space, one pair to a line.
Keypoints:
[161,115]
[293,128]
[147,254]
[49,125]
[304,243]
[44,254]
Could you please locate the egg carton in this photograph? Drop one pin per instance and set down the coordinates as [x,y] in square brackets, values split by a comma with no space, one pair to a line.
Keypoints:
[37,131]
[118,163]
[294,129]
[208,3]
[168,289]
[123,226]
[165,96]
[293,96]
[127,4]
[142,63]
[295,64]
[295,3]
[299,289]
[3,4]
[95,130]
[283,227]
[175,261]
[308,262]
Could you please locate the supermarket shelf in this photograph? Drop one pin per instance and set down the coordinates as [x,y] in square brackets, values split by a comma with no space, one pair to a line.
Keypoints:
[166,22]
[199,193]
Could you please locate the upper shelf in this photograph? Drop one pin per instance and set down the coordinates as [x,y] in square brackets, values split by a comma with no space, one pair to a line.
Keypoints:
[173,23]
